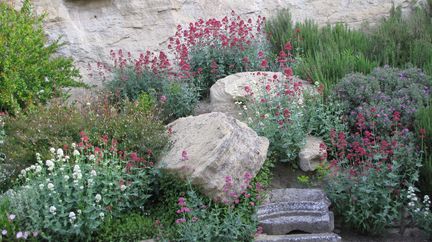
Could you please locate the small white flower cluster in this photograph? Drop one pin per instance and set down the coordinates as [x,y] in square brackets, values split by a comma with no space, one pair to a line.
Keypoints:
[415,205]
[72,217]
[53,210]
[77,175]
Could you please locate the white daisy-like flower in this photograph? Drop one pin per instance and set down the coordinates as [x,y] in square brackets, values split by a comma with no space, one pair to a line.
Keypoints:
[98,198]
[50,186]
[53,210]
[60,152]
[72,217]
[93,173]
[52,150]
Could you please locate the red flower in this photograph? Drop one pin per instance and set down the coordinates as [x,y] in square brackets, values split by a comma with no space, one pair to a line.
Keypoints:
[264,63]
[288,46]
[288,72]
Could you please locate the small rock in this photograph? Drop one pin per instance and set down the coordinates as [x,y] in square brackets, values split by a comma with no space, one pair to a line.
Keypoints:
[311,154]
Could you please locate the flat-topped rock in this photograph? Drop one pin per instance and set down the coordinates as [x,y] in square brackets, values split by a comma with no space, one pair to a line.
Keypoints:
[322,237]
[288,210]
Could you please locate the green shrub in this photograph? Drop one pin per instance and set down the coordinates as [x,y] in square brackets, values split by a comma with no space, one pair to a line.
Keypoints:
[134,127]
[326,54]
[424,128]
[129,227]
[30,73]
[273,110]
[382,93]
[175,97]
[68,197]
[399,40]
[369,180]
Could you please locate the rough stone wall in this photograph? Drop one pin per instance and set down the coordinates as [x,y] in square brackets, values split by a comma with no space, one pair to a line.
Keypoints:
[93,27]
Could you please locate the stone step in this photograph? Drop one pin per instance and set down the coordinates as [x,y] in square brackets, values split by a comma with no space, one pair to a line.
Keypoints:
[288,210]
[321,237]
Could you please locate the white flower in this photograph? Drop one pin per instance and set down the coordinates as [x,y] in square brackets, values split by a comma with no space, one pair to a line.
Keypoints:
[102,215]
[52,150]
[92,157]
[60,153]
[73,145]
[38,155]
[79,211]
[32,167]
[72,217]
[122,188]
[38,168]
[81,187]
[411,204]
[23,172]
[50,164]
[66,177]
[53,210]
[93,173]
[98,197]
[76,152]
[50,186]
[417,210]
[426,198]
[67,157]
[41,186]
[88,104]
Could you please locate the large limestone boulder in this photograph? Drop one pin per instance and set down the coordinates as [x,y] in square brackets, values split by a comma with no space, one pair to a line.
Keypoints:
[226,91]
[93,27]
[311,155]
[208,148]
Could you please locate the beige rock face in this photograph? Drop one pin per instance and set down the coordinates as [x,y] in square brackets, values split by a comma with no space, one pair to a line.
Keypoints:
[310,155]
[93,27]
[207,148]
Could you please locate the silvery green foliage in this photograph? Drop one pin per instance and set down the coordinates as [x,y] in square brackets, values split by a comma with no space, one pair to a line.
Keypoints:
[68,198]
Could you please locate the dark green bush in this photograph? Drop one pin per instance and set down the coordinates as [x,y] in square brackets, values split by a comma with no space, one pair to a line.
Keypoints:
[135,129]
[424,129]
[130,227]
[29,71]
[399,40]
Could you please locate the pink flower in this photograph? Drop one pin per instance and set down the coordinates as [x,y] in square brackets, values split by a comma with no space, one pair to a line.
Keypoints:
[184,155]
[180,220]
[264,63]
[163,99]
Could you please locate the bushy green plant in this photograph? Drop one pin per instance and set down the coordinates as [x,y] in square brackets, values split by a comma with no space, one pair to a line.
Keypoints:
[214,48]
[272,108]
[133,126]
[30,73]
[323,116]
[383,92]
[326,54]
[68,197]
[420,211]
[174,95]
[398,40]
[129,227]
[370,175]
[202,220]
[424,128]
